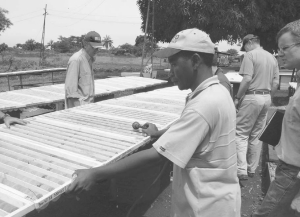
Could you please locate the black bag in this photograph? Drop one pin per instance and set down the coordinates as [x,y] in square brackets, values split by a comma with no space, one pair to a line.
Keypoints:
[272,131]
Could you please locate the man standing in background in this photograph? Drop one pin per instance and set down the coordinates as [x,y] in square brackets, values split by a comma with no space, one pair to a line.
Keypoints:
[260,81]
[79,84]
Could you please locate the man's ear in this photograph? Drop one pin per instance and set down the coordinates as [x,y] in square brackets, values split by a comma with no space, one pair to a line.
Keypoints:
[196,60]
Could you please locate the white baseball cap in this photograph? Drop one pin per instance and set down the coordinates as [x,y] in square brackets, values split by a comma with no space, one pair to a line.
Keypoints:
[188,40]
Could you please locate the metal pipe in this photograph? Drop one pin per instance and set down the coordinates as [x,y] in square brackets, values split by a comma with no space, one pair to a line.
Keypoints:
[32,72]
[21,83]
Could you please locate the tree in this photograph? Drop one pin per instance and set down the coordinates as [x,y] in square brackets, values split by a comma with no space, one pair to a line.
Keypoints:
[139,41]
[222,19]
[107,42]
[19,45]
[4,21]
[232,51]
[50,44]
[30,45]
[3,47]
[62,46]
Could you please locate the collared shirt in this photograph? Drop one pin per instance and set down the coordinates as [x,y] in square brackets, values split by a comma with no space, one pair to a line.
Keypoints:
[201,144]
[288,149]
[262,67]
[223,79]
[79,84]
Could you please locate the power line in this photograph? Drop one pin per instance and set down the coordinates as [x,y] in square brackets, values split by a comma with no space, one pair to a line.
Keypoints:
[25,14]
[84,6]
[81,7]
[55,11]
[88,14]
[95,20]
[27,19]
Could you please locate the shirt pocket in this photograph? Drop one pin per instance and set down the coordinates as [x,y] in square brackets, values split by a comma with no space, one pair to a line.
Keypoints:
[85,76]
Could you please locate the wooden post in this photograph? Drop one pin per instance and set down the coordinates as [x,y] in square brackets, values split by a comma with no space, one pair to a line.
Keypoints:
[146,28]
[8,82]
[21,83]
[152,44]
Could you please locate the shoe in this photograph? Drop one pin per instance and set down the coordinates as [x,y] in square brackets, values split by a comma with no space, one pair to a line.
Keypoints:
[243,177]
[251,175]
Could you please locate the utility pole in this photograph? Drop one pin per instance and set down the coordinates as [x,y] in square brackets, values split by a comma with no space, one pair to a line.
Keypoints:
[146,29]
[43,37]
[152,45]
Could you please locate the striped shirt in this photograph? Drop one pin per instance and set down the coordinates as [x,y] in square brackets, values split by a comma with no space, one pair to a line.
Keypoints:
[201,144]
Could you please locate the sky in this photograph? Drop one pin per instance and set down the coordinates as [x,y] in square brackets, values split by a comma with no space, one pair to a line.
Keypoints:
[119,19]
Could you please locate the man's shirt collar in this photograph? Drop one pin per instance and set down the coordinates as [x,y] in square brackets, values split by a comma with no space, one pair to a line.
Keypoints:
[205,84]
[87,56]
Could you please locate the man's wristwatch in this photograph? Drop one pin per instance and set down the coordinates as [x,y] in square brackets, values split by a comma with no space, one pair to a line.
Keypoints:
[4,116]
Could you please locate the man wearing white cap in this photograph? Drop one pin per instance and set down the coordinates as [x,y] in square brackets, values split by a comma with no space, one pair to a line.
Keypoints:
[79,84]
[201,143]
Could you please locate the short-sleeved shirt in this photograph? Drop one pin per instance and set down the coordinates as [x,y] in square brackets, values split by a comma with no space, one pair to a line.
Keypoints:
[79,84]
[288,149]
[223,80]
[201,144]
[262,67]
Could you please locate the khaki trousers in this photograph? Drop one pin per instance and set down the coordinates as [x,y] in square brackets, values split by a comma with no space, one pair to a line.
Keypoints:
[250,121]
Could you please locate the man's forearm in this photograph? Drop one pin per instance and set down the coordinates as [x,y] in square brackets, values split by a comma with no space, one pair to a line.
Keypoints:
[243,87]
[160,133]
[130,165]
[274,89]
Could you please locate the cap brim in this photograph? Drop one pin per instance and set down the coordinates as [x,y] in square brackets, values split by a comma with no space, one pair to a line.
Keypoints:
[96,45]
[165,53]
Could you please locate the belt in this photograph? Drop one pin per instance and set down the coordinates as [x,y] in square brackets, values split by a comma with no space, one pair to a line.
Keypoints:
[261,92]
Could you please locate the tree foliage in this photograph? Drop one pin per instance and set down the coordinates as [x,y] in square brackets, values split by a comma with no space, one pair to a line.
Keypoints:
[4,21]
[68,44]
[3,47]
[30,45]
[222,19]
[107,42]
[232,51]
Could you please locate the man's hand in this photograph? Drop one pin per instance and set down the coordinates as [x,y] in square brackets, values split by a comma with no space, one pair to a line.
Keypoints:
[85,180]
[236,104]
[151,130]
[11,120]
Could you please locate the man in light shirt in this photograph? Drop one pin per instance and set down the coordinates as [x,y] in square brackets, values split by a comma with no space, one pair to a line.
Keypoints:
[201,143]
[282,191]
[79,84]
[260,81]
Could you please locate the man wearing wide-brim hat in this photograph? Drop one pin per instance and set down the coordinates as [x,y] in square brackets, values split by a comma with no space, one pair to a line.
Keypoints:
[79,84]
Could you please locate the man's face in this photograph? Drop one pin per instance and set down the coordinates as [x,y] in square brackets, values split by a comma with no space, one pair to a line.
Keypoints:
[91,50]
[182,73]
[248,46]
[289,51]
